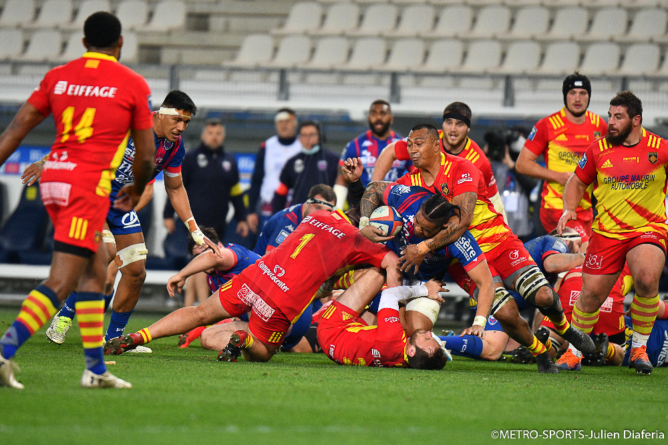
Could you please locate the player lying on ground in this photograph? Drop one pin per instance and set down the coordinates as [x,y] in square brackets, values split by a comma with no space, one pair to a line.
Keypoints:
[279,286]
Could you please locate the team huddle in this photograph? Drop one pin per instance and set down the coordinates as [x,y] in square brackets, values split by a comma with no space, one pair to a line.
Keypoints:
[324,280]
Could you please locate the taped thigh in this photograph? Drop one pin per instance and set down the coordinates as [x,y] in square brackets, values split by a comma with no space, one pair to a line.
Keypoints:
[501,297]
[426,306]
[130,254]
[108,237]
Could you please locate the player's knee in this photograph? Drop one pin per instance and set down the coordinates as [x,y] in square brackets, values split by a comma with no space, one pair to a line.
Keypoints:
[132,260]
[646,285]
[550,307]
[206,339]
[530,283]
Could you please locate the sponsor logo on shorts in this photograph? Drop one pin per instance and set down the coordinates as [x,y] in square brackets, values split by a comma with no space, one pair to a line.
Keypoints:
[58,165]
[130,220]
[583,161]
[651,235]
[391,320]
[246,295]
[594,261]
[266,271]
[262,309]
[376,358]
[57,193]
[514,254]
[83,90]
[331,351]
[575,294]
[661,359]
[607,305]
[466,177]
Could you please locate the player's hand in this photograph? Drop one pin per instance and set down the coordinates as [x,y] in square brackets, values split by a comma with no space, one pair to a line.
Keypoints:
[127,198]
[169,224]
[352,170]
[206,241]
[476,330]
[375,234]
[566,217]
[434,289]
[175,283]
[242,228]
[253,222]
[411,258]
[32,174]
[563,177]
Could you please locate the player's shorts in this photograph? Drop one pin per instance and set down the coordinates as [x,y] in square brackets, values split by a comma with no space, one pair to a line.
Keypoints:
[608,255]
[267,323]
[123,223]
[299,329]
[77,216]
[335,320]
[550,218]
[508,260]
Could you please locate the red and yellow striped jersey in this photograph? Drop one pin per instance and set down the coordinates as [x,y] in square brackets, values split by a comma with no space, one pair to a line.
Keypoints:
[457,176]
[629,185]
[562,143]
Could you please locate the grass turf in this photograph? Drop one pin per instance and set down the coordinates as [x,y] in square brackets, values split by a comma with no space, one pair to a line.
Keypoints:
[185,396]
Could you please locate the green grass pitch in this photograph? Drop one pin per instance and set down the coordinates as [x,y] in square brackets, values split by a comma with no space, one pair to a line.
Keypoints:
[186,397]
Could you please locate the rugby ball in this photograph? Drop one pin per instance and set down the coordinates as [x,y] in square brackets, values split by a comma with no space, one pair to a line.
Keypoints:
[387,219]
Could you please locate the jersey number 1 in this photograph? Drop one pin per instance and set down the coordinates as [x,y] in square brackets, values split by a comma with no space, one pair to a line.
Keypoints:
[304,239]
[84,128]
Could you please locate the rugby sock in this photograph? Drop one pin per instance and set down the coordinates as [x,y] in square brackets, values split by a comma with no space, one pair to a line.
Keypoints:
[108,298]
[193,335]
[584,321]
[36,310]
[90,315]
[548,344]
[248,343]
[561,326]
[536,348]
[610,354]
[68,307]
[643,314]
[466,346]
[117,324]
[145,336]
[345,281]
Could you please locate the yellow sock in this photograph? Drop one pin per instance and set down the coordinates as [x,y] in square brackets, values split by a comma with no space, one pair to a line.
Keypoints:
[536,348]
[561,326]
[145,335]
[610,354]
[584,321]
[548,344]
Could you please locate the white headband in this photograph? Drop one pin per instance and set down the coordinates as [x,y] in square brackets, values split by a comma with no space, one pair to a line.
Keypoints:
[282,116]
[170,112]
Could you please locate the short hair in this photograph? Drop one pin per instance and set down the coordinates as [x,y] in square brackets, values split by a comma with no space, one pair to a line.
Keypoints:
[381,102]
[286,110]
[309,123]
[102,30]
[208,232]
[630,101]
[459,108]
[213,123]
[179,100]
[437,209]
[433,132]
[323,190]
[422,360]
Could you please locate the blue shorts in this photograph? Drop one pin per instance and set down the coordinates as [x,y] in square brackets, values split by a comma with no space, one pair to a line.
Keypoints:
[299,329]
[122,223]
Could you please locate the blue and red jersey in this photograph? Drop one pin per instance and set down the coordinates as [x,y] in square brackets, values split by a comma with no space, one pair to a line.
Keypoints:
[368,147]
[542,247]
[278,228]
[242,259]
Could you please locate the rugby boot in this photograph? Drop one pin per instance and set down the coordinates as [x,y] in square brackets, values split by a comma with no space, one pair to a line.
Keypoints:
[580,340]
[520,355]
[107,380]
[190,336]
[640,361]
[119,345]
[58,329]
[569,362]
[542,334]
[7,378]
[545,364]
[598,358]
[233,349]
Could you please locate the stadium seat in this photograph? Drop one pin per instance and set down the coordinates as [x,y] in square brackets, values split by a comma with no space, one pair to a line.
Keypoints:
[414,19]
[444,56]
[302,18]
[74,48]
[521,57]
[87,8]
[606,23]
[482,56]
[453,20]
[330,53]
[490,21]
[640,59]
[26,227]
[662,72]
[130,52]
[377,19]
[600,58]
[53,13]
[560,58]
[367,53]
[604,3]
[17,12]
[647,24]
[132,13]
[12,43]
[43,45]
[168,15]
[406,55]
[340,18]
[568,23]
[292,51]
[529,22]
[255,49]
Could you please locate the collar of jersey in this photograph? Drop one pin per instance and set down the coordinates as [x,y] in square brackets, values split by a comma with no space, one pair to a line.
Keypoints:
[343,215]
[443,159]
[96,55]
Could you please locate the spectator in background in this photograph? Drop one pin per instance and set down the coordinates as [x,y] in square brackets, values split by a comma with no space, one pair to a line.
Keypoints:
[211,178]
[314,165]
[273,154]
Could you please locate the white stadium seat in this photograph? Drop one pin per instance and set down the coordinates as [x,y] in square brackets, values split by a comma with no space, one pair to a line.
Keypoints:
[340,17]
[255,49]
[87,8]
[53,14]
[12,43]
[482,56]
[406,55]
[568,23]
[130,51]
[444,55]
[646,24]
[414,19]
[640,59]
[453,20]
[168,15]
[521,57]
[132,13]
[17,12]
[44,45]
[490,21]
[560,58]
[367,53]
[74,48]
[302,18]
[330,53]
[607,23]
[600,58]
[529,22]
[377,19]
[292,51]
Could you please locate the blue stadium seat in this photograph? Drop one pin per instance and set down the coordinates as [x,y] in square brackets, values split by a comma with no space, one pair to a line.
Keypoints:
[25,229]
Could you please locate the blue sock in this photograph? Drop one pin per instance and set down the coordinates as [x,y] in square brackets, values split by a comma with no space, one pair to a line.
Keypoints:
[90,315]
[117,324]
[68,308]
[16,335]
[466,346]
[108,298]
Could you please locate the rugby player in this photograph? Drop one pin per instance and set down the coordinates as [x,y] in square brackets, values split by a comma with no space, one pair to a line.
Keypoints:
[279,286]
[628,169]
[97,104]
[562,139]
[657,344]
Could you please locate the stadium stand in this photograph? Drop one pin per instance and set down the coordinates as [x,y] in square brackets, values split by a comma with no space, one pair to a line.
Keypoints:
[292,51]
[303,18]
[413,19]
[87,8]
[168,15]
[339,19]
[377,19]
[490,21]
[133,14]
[43,45]
[452,20]
[12,43]
[606,23]
[52,14]
[17,12]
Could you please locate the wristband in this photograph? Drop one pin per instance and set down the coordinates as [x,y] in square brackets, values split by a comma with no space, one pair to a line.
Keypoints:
[479,320]
[422,248]
[364,221]
[191,225]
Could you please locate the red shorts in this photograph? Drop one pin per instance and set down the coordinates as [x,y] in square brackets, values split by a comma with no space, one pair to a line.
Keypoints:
[550,218]
[608,255]
[78,215]
[459,276]
[266,322]
[335,320]
[507,259]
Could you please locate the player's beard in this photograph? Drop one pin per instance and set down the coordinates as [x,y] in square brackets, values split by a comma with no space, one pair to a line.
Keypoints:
[580,113]
[383,129]
[622,134]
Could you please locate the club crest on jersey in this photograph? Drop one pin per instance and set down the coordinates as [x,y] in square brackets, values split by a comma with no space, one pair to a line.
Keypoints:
[597,134]
[444,189]
[653,157]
